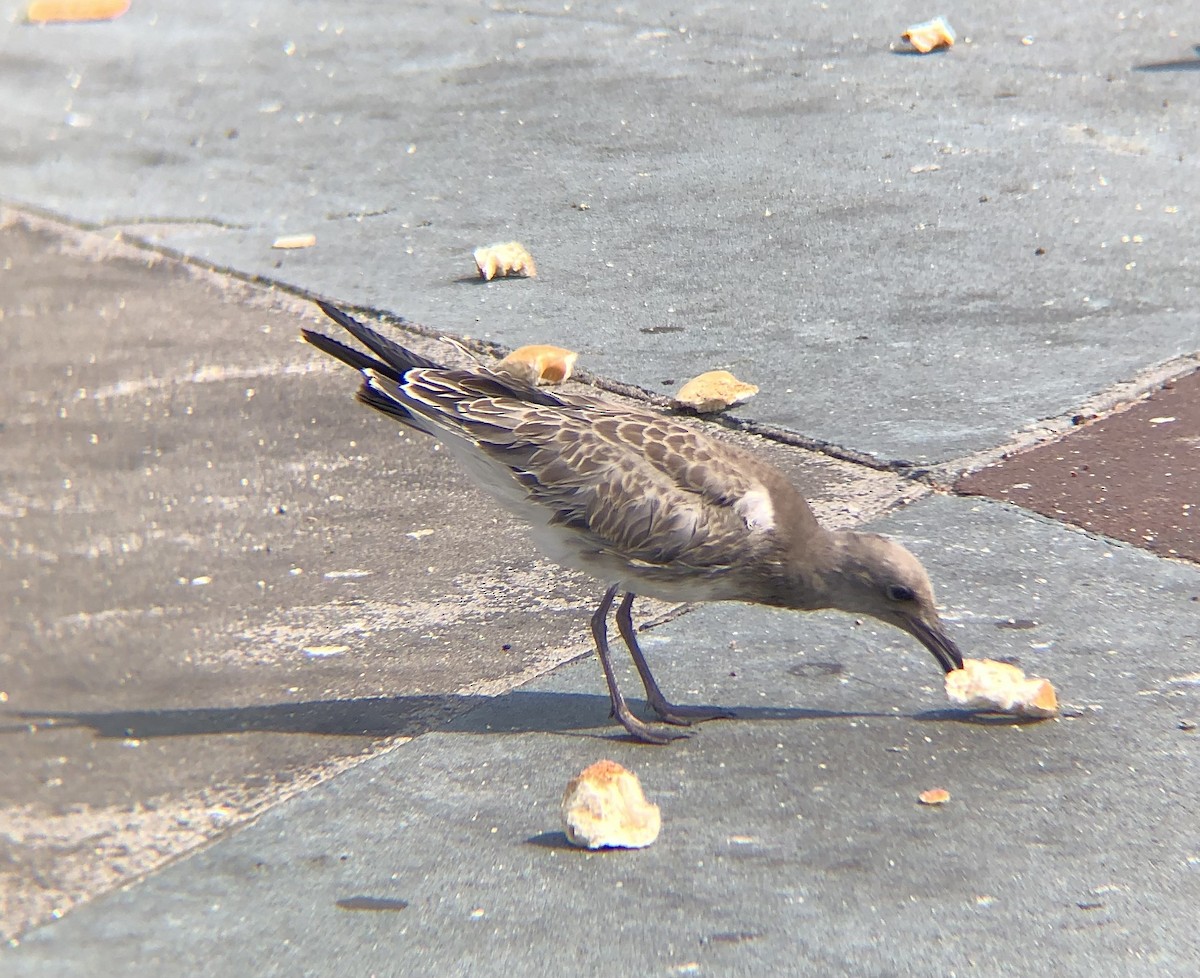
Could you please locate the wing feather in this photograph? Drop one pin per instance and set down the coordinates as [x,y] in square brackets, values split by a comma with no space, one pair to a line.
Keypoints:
[635,484]
[646,490]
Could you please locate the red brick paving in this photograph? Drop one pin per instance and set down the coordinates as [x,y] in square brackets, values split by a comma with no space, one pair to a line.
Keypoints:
[1133,475]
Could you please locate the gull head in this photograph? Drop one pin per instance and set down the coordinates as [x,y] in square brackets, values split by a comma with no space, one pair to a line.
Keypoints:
[871,575]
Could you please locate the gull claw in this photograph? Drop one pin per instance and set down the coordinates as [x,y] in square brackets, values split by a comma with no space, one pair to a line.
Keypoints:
[685,716]
[646,734]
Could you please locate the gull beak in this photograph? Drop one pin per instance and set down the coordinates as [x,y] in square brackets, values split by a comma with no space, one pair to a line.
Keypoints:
[933,637]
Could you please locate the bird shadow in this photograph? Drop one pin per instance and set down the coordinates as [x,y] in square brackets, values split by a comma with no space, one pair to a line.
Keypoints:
[978,719]
[478,279]
[376,716]
[550,840]
[914,53]
[1184,64]
[517,712]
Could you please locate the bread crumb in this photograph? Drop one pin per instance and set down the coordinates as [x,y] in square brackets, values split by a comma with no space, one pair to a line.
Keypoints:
[936,33]
[934,796]
[503,260]
[539,364]
[289,242]
[604,807]
[74,11]
[985,684]
[713,391]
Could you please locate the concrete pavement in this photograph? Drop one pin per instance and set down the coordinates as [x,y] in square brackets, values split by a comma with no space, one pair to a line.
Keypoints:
[956,245]
[225,616]
[213,598]
[793,842]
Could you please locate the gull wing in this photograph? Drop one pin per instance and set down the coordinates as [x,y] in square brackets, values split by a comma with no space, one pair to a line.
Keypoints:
[642,487]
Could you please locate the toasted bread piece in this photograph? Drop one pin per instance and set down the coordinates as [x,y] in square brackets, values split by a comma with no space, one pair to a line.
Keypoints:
[604,807]
[503,260]
[539,364]
[713,391]
[936,33]
[999,687]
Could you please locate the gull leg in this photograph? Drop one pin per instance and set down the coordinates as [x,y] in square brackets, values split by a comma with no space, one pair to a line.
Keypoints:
[668,712]
[620,709]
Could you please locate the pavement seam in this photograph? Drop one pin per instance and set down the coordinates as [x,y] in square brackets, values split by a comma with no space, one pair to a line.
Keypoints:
[937,477]
[929,478]
[1113,400]
[940,476]
[119,223]
[311,779]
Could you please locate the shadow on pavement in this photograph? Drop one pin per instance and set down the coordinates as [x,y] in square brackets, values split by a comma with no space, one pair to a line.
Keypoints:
[550,840]
[384,716]
[376,716]
[1186,64]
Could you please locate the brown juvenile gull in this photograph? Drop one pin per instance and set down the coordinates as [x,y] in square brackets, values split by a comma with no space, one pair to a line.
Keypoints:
[647,504]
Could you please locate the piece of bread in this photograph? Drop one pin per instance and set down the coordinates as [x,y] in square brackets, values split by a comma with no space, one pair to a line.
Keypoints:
[68,11]
[604,807]
[999,687]
[289,242]
[539,364]
[936,33]
[713,391]
[502,260]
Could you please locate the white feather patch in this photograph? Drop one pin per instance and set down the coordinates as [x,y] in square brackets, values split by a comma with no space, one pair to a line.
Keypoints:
[756,510]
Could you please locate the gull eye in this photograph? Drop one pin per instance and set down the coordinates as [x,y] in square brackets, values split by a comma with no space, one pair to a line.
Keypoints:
[898,592]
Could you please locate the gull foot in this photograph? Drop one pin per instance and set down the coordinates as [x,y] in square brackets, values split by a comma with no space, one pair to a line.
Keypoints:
[642,732]
[685,716]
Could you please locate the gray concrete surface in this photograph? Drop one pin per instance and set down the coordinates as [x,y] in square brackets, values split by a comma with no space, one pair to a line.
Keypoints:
[792,841]
[223,579]
[771,187]
[915,258]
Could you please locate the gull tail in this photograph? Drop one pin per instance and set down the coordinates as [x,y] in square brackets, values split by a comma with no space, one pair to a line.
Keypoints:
[424,395]
[393,360]
[432,389]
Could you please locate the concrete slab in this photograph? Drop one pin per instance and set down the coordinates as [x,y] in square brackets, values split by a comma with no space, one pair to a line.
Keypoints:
[223,579]
[1133,475]
[911,256]
[792,839]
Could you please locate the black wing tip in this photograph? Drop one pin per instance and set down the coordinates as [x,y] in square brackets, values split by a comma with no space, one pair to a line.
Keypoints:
[397,356]
[336,314]
[373,397]
[397,360]
[346,354]
[343,318]
[317,339]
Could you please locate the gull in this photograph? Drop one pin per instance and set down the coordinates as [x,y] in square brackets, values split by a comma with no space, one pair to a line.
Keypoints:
[645,503]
